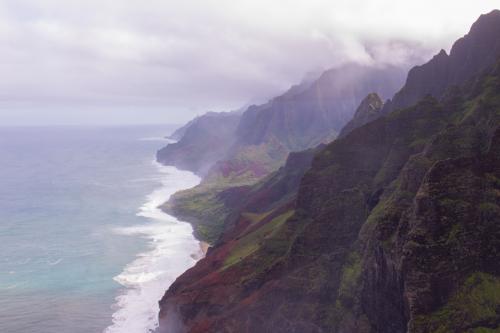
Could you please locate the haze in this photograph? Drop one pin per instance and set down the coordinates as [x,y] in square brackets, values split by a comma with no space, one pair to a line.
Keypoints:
[151,61]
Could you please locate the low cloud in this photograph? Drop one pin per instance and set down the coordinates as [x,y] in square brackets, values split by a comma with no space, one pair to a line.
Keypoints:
[145,61]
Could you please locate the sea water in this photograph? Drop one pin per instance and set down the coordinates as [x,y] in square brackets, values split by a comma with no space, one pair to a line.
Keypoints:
[83,245]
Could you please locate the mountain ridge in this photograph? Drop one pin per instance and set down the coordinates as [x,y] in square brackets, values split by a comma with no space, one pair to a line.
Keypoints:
[267,133]
[201,142]
[353,264]
[469,56]
[394,227]
[369,109]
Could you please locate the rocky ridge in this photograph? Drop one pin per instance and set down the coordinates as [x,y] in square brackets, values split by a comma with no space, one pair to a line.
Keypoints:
[392,228]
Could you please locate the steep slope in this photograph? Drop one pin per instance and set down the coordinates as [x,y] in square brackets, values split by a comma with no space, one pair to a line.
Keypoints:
[179,133]
[253,214]
[218,207]
[303,117]
[367,111]
[469,56]
[202,142]
[396,227]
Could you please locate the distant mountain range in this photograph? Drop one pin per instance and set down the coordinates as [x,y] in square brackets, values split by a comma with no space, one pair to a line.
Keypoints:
[393,227]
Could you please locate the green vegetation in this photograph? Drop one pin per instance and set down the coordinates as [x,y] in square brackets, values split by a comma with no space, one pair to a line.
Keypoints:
[252,241]
[476,306]
[202,208]
[254,217]
[349,282]
[202,205]
[401,213]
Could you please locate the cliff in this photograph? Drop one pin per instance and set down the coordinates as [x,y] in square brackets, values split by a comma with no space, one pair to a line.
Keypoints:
[201,142]
[305,116]
[394,227]
[369,110]
[469,56]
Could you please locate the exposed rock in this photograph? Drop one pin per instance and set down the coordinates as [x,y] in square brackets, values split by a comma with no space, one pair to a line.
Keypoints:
[367,111]
[469,56]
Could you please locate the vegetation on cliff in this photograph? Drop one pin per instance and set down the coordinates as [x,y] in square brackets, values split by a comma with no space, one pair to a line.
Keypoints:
[390,226]
[303,117]
[395,227]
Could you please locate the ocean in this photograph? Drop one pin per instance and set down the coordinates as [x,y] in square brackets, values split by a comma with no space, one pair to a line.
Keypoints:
[83,246]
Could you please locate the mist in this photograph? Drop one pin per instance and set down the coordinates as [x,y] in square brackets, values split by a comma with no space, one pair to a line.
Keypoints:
[138,62]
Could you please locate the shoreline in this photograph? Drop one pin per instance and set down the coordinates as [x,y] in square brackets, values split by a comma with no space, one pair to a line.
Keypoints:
[172,250]
[204,245]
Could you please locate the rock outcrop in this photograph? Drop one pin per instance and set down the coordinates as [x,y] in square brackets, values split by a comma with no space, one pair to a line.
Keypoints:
[367,111]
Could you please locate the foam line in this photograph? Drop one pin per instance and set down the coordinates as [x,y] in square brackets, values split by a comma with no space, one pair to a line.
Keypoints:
[172,250]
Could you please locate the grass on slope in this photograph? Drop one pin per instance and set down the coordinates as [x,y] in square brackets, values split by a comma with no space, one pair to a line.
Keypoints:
[251,242]
[476,306]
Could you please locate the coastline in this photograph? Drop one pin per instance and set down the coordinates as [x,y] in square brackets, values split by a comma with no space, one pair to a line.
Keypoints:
[172,249]
[204,246]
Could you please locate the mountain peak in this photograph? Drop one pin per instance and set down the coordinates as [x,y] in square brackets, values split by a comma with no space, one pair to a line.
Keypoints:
[368,110]
[441,54]
[469,57]
[486,21]
[371,103]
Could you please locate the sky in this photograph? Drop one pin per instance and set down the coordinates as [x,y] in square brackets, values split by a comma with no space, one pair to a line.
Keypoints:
[103,62]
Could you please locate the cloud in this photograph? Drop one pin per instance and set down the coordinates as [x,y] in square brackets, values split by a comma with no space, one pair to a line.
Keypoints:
[91,61]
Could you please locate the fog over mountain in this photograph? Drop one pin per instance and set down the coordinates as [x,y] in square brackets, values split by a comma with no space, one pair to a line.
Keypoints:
[115,62]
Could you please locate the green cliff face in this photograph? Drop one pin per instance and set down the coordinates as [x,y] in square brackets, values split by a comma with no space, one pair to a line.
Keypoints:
[304,117]
[394,227]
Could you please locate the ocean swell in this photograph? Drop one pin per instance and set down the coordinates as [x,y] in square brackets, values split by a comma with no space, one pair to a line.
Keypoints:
[172,250]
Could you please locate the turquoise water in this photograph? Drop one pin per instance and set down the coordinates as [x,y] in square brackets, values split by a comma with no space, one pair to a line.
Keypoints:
[77,207]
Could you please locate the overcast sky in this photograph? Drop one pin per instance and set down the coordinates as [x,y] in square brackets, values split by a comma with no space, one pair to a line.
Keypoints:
[162,61]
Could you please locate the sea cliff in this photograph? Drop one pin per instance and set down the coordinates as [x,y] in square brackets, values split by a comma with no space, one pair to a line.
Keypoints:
[394,227]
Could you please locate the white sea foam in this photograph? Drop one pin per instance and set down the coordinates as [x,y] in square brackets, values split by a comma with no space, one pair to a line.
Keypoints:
[172,250]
